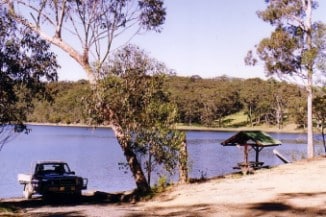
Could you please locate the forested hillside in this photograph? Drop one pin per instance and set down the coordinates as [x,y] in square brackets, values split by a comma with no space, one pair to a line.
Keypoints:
[207,102]
[67,106]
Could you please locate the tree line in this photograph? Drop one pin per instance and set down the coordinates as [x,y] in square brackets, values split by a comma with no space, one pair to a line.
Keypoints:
[205,102]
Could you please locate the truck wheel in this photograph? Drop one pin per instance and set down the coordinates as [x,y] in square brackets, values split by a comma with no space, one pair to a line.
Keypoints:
[77,195]
[28,191]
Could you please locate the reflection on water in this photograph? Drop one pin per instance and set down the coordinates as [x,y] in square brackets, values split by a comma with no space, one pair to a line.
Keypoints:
[95,154]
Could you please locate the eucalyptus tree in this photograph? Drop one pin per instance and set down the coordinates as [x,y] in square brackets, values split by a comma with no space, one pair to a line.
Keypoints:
[133,83]
[187,98]
[227,102]
[219,103]
[251,95]
[25,64]
[67,105]
[88,31]
[295,47]
[272,104]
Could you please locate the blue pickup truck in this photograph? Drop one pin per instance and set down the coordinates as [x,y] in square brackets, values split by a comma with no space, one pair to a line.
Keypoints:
[52,178]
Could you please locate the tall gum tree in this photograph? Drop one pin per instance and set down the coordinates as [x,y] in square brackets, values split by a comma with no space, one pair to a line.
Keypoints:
[87,30]
[294,49]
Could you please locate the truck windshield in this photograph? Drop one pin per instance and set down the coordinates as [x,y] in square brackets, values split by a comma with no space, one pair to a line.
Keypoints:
[58,168]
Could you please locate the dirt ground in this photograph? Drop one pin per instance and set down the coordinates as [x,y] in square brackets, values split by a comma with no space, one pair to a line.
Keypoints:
[296,189]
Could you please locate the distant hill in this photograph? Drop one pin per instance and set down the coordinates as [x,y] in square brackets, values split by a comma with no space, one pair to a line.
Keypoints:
[217,102]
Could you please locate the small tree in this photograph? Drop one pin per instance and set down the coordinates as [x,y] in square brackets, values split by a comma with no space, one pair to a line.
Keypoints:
[251,96]
[25,61]
[294,48]
[133,84]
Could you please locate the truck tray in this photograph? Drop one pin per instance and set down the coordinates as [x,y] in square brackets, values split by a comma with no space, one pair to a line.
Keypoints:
[24,178]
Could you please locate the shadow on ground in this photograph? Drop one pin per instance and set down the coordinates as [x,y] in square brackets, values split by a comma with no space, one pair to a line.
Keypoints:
[283,205]
[200,210]
[96,198]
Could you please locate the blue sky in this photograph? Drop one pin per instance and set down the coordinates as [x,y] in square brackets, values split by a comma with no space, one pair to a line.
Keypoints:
[208,38]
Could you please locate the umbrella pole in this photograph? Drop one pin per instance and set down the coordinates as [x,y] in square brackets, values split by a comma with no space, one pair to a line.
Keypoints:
[257,155]
[245,167]
[257,149]
[246,154]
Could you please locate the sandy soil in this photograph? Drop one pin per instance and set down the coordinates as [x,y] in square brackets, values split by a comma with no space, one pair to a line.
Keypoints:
[297,189]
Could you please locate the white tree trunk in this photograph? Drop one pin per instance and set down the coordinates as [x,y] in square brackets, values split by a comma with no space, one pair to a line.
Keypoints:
[310,142]
[308,30]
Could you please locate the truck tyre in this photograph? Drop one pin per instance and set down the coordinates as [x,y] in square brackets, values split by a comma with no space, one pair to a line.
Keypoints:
[28,191]
[77,196]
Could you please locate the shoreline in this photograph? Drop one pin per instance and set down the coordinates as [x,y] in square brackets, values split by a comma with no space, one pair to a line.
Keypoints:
[286,129]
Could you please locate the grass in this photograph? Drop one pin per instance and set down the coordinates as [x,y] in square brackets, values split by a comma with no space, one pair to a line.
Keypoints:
[7,210]
[239,121]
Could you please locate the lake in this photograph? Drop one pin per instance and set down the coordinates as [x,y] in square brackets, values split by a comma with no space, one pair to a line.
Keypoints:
[95,154]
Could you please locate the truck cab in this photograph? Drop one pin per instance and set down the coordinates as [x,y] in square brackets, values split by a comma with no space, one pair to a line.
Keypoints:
[52,178]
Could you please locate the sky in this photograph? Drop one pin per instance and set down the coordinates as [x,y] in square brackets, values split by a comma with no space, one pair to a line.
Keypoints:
[209,38]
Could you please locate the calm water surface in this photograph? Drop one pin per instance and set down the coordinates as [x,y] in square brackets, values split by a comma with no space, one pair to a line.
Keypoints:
[95,154]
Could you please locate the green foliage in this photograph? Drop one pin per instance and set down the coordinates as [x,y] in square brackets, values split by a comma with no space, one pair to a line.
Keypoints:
[25,62]
[153,14]
[320,112]
[210,102]
[267,101]
[68,104]
[320,108]
[92,26]
[278,10]
[161,185]
[132,94]
[297,44]
[280,53]
[205,101]
[319,38]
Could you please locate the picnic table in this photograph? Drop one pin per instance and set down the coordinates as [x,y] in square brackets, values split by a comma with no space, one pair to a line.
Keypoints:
[256,140]
[250,166]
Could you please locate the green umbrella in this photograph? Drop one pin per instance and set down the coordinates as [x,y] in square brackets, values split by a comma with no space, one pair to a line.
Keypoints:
[255,139]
